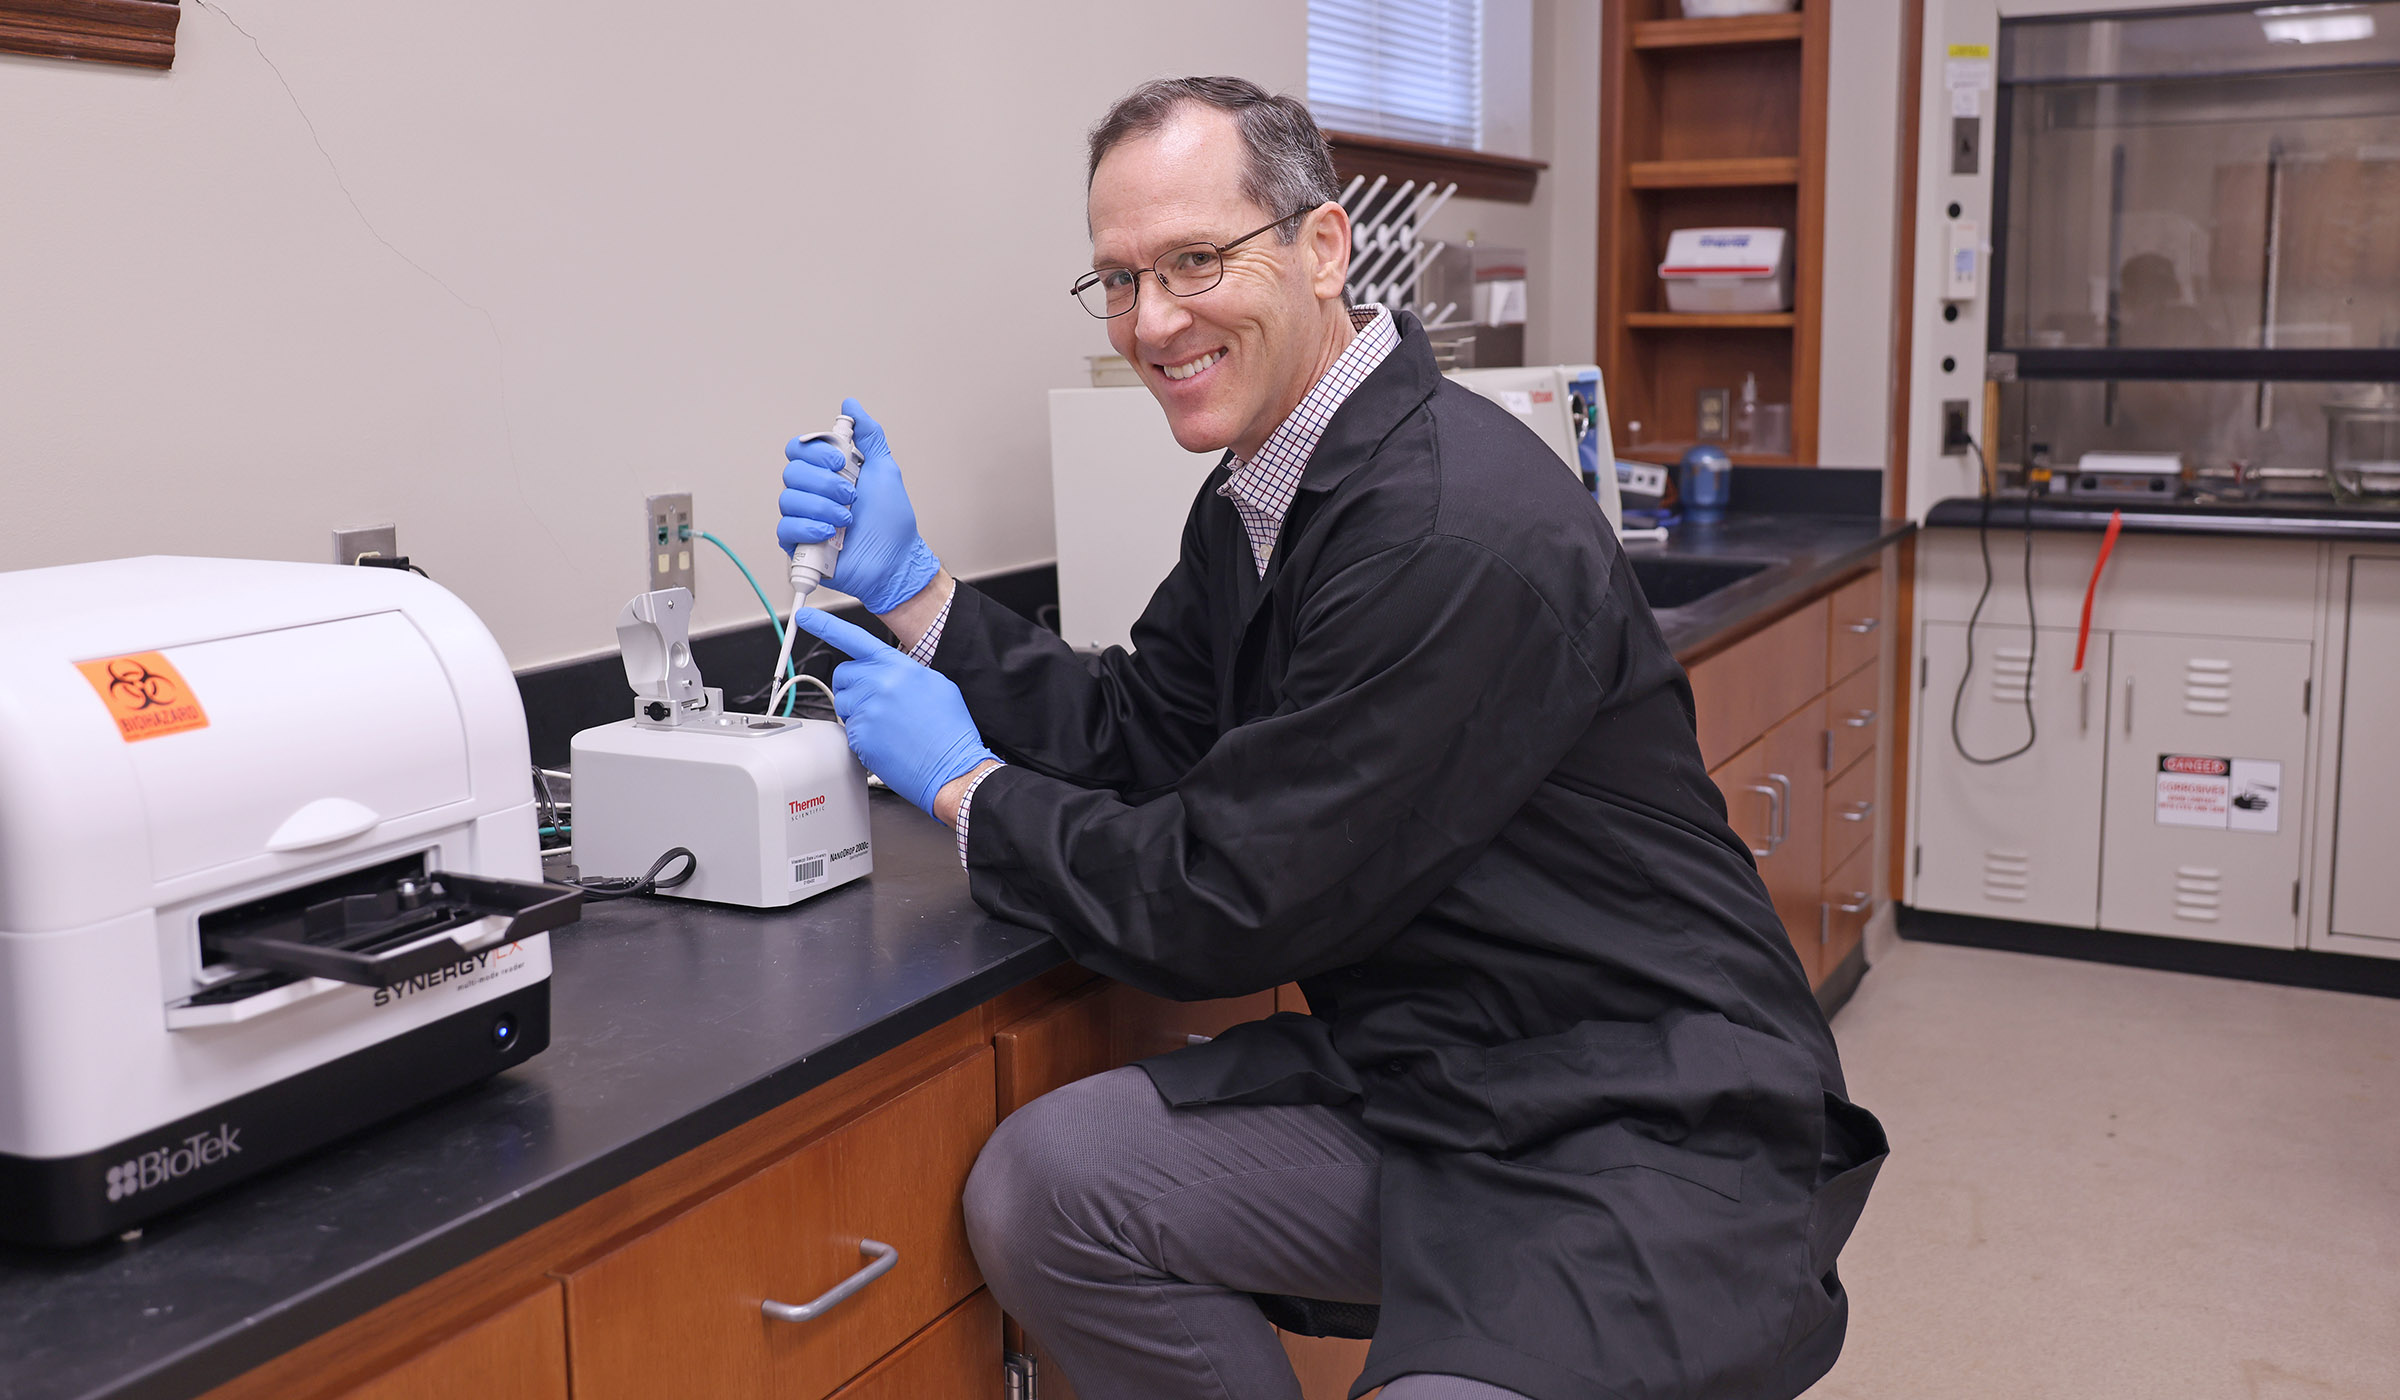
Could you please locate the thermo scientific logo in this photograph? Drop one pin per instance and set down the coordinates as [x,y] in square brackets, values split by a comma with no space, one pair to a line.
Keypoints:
[160,1165]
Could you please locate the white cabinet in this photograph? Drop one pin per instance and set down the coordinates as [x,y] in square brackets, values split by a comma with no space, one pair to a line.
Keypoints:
[2019,839]
[2366,824]
[2206,760]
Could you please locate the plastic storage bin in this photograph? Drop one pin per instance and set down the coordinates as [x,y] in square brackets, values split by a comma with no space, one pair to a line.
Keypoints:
[1728,271]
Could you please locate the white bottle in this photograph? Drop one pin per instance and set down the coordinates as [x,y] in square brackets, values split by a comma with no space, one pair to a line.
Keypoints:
[1745,419]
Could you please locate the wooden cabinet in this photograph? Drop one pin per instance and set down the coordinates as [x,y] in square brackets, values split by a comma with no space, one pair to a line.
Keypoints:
[1790,724]
[1740,691]
[1775,792]
[677,1310]
[518,1353]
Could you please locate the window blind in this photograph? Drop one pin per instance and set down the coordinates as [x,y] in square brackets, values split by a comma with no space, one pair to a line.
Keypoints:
[1407,69]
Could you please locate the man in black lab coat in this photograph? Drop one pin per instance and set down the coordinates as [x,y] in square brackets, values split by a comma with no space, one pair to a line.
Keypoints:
[1399,725]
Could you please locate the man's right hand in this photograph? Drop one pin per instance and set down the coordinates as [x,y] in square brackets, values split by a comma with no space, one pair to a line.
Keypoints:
[883,562]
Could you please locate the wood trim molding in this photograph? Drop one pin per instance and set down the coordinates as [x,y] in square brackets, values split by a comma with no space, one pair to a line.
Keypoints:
[1480,175]
[136,32]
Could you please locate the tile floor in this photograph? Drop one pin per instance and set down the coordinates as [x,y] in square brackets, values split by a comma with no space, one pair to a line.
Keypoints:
[2113,1184]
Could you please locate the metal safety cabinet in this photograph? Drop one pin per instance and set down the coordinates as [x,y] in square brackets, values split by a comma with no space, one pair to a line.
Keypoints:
[2166,786]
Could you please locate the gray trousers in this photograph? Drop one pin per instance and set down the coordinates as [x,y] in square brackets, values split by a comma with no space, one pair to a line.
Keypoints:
[1127,1235]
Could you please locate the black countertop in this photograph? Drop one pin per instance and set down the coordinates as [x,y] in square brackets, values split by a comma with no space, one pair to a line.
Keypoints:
[672,1023]
[1809,550]
[2300,518]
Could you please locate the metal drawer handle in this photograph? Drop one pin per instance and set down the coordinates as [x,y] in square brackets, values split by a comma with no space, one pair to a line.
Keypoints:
[1860,903]
[1858,811]
[1859,720]
[1774,813]
[884,1256]
[1863,626]
[1783,809]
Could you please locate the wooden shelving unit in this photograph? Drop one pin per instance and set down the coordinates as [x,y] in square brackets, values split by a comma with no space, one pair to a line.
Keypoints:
[1708,122]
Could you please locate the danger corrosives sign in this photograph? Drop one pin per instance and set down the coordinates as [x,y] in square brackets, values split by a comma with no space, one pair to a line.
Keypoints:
[2225,794]
[145,695]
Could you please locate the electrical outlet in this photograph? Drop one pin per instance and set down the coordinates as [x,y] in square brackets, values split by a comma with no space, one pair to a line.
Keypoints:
[669,538]
[378,541]
[1954,428]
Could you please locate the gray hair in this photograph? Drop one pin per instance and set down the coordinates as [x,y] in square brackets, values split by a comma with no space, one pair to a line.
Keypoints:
[1286,166]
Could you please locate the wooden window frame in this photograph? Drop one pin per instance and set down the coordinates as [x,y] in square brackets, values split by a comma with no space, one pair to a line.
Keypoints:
[140,33]
[1480,175]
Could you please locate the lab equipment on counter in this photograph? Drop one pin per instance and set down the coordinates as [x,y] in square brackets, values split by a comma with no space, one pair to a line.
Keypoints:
[2127,476]
[773,809]
[268,874]
[2362,448]
[1704,481]
[1568,407]
[1728,271]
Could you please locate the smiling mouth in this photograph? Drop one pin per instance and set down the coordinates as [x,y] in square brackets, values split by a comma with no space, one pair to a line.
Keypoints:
[1191,367]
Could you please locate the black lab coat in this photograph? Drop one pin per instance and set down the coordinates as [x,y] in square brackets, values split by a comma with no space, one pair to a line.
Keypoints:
[1439,767]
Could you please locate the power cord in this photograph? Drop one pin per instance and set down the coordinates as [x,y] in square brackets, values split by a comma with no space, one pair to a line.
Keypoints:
[2033,636]
[598,887]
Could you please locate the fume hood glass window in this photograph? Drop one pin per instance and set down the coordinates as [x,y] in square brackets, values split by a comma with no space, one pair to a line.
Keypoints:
[2238,439]
[2219,180]
[1408,69]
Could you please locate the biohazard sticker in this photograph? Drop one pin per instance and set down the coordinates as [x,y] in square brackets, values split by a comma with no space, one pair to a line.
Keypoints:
[2223,794]
[144,695]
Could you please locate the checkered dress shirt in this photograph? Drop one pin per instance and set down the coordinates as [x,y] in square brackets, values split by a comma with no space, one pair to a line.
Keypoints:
[1261,488]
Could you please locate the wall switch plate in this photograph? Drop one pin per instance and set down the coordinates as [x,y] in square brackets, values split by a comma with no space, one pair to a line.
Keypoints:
[1966,141]
[1714,415]
[670,537]
[381,541]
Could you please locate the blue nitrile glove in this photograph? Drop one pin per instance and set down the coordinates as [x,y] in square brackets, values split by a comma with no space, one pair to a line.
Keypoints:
[906,722]
[883,561]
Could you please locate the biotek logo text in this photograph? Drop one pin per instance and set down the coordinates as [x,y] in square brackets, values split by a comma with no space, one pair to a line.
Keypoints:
[160,1165]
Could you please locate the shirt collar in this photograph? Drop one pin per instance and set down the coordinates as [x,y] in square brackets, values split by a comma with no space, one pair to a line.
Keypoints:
[1267,482]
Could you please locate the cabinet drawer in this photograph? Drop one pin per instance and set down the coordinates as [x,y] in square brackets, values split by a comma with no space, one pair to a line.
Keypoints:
[677,1311]
[518,1353]
[1856,635]
[1849,903]
[1740,692]
[957,1358]
[1851,717]
[1849,812]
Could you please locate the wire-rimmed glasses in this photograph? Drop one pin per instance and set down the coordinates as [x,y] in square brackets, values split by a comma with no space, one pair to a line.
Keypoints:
[1184,271]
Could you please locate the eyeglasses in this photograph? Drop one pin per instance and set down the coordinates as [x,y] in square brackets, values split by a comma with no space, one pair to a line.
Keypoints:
[1186,271]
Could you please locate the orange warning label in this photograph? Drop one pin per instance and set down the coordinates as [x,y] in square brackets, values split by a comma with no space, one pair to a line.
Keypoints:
[144,695]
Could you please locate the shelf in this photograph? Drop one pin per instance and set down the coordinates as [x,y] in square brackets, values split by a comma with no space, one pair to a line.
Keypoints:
[1681,320]
[1731,32]
[1668,454]
[1713,174]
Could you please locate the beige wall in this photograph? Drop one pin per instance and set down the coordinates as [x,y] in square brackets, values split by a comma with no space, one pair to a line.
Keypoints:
[1862,140]
[495,272]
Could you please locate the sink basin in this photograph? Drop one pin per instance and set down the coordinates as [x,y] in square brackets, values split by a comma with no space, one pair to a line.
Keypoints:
[1674,583]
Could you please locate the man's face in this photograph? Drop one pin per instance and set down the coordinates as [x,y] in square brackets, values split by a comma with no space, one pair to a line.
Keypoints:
[1231,363]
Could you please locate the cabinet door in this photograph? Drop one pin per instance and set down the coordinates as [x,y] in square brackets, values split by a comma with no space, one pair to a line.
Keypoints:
[1849,902]
[2020,839]
[2206,738]
[1775,793]
[2366,880]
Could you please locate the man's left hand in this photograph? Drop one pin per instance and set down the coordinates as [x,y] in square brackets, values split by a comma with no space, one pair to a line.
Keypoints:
[906,722]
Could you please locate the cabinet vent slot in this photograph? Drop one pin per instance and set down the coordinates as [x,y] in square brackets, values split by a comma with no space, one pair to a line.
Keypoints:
[2207,686]
[2006,875]
[2198,892]
[2012,675]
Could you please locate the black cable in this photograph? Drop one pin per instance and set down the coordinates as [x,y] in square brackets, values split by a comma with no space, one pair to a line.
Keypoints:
[2033,636]
[619,886]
